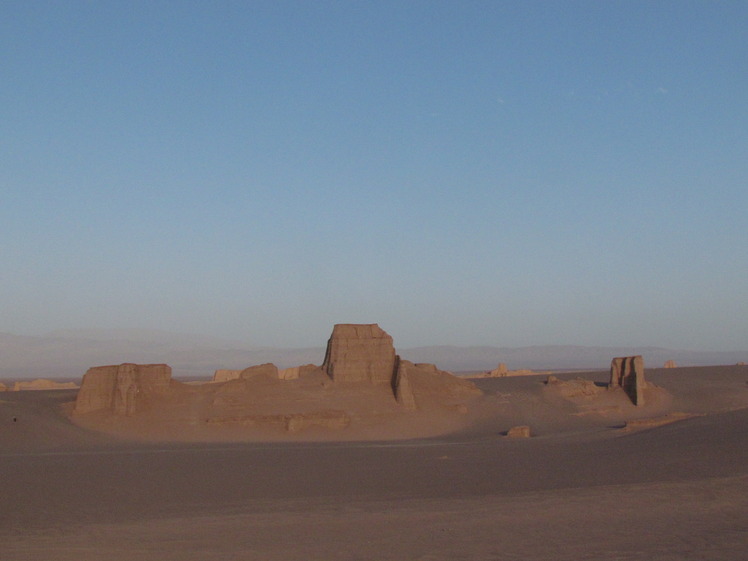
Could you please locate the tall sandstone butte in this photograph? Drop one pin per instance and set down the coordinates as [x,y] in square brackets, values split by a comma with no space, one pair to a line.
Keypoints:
[360,353]
[121,389]
[627,372]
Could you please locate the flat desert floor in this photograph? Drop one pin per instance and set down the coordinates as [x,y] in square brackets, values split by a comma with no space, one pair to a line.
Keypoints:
[581,488]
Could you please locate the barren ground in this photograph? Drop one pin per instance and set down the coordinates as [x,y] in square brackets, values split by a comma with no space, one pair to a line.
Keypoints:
[582,488]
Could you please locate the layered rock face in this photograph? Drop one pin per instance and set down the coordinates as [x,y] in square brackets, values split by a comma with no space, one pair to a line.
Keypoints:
[120,389]
[627,372]
[670,364]
[360,353]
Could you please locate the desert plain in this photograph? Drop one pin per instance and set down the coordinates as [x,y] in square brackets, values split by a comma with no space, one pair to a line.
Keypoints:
[216,470]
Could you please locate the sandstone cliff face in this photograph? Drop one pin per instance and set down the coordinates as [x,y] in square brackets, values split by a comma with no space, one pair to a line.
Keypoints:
[402,387]
[360,353]
[627,372]
[120,389]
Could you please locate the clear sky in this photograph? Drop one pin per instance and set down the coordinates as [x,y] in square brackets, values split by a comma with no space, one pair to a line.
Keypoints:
[497,173]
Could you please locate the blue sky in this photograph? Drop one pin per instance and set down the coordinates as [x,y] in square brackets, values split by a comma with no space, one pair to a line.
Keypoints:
[497,173]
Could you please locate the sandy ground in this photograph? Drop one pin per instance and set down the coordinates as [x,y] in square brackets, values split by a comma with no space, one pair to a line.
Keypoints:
[582,488]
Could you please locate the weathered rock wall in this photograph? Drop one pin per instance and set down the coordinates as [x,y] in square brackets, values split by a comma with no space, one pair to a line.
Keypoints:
[121,388]
[627,372]
[360,353]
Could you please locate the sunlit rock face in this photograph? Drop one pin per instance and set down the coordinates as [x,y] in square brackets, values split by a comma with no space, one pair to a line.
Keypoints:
[360,353]
[121,389]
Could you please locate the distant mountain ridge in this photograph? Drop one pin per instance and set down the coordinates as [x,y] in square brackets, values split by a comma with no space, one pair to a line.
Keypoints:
[70,353]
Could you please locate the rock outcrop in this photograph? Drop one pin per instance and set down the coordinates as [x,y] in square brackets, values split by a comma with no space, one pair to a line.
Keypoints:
[121,389]
[224,375]
[267,370]
[42,384]
[402,387]
[578,387]
[296,372]
[522,431]
[670,364]
[499,372]
[3,387]
[627,372]
[360,353]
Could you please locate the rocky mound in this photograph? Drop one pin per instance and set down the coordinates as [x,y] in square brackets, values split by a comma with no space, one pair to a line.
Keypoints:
[361,387]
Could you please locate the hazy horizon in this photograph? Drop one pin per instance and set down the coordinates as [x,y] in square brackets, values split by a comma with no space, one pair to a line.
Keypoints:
[500,174]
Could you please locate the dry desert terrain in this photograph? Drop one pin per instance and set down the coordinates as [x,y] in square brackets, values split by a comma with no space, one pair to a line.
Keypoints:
[673,484]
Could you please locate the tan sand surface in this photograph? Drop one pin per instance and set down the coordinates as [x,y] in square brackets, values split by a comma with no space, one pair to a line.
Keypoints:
[580,489]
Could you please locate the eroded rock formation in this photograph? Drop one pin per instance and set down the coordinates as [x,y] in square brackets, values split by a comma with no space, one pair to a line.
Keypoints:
[670,364]
[360,353]
[267,370]
[402,387]
[224,375]
[121,389]
[499,371]
[627,372]
[43,384]
[522,431]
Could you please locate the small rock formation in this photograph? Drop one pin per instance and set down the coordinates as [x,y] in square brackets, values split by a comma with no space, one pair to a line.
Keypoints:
[576,388]
[3,387]
[224,375]
[499,371]
[522,431]
[268,370]
[670,364]
[121,389]
[401,386]
[360,353]
[42,384]
[627,372]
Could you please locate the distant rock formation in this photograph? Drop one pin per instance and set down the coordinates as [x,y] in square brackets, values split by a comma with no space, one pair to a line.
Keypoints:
[268,370]
[224,375]
[121,389]
[296,372]
[499,371]
[360,353]
[3,387]
[670,364]
[42,384]
[628,373]
[522,431]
